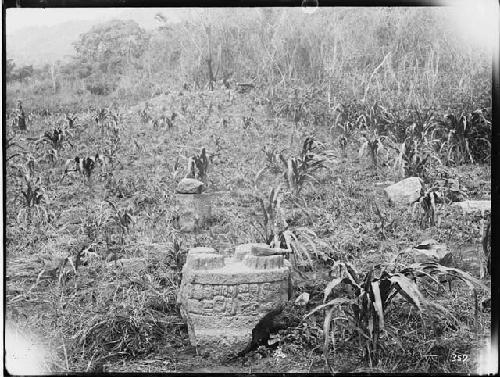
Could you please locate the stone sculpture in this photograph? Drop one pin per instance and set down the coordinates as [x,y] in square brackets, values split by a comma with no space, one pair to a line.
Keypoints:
[223,299]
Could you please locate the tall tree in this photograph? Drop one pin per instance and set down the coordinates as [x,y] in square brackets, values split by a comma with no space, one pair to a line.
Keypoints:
[112,46]
[9,69]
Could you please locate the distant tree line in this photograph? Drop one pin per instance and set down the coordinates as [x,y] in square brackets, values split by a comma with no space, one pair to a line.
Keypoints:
[404,49]
[18,73]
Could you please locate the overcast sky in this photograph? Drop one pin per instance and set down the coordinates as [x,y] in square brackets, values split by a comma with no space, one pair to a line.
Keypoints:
[476,19]
[19,18]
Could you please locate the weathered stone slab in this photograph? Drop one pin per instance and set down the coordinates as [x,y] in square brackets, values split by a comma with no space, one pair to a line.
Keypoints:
[264,251]
[129,265]
[405,191]
[471,206]
[427,251]
[189,186]
[224,300]
[243,250]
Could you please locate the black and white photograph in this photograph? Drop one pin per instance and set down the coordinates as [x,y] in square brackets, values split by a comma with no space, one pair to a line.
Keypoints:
[303,188]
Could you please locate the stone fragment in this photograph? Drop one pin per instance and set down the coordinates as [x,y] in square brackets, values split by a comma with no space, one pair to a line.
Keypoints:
[266,250]
[432,248]
[189,186]
[471,206]
[243,250]
[129,265]
[426,251]
[303,299]
[405,191]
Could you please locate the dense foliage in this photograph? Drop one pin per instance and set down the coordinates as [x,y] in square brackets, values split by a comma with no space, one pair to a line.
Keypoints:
[414,55]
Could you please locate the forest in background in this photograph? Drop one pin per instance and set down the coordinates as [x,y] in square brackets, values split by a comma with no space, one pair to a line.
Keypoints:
[412,57]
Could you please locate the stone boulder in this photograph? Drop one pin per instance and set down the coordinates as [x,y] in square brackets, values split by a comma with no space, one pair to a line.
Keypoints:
[405,191]
[189,186]
[428,251]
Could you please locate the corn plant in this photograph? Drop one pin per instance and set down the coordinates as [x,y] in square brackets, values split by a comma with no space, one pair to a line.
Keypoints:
[300,105]
[372,144]
[468,137]
[342,140]
[144,114]
[13,148]
[273,162]
[83,165]
[414,158]
[299,170]
[360,304]
[248,122]
[71,120]
[197,166]
[124,218]
[20,117]
[344,126]
[164,120]
[385,224]
[100,115]
[95,221]
[56,139]
[299,240]
[270,207]
[427,204]
[276,231]
[372,117]
[33,194]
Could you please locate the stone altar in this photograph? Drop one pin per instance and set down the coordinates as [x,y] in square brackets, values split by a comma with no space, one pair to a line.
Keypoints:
[222,299]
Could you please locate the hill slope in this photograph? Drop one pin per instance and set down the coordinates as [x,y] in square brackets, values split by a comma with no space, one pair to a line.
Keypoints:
[39,45]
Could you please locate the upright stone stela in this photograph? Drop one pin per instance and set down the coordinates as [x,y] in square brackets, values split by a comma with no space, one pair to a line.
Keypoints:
[192,204]
[222,299]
